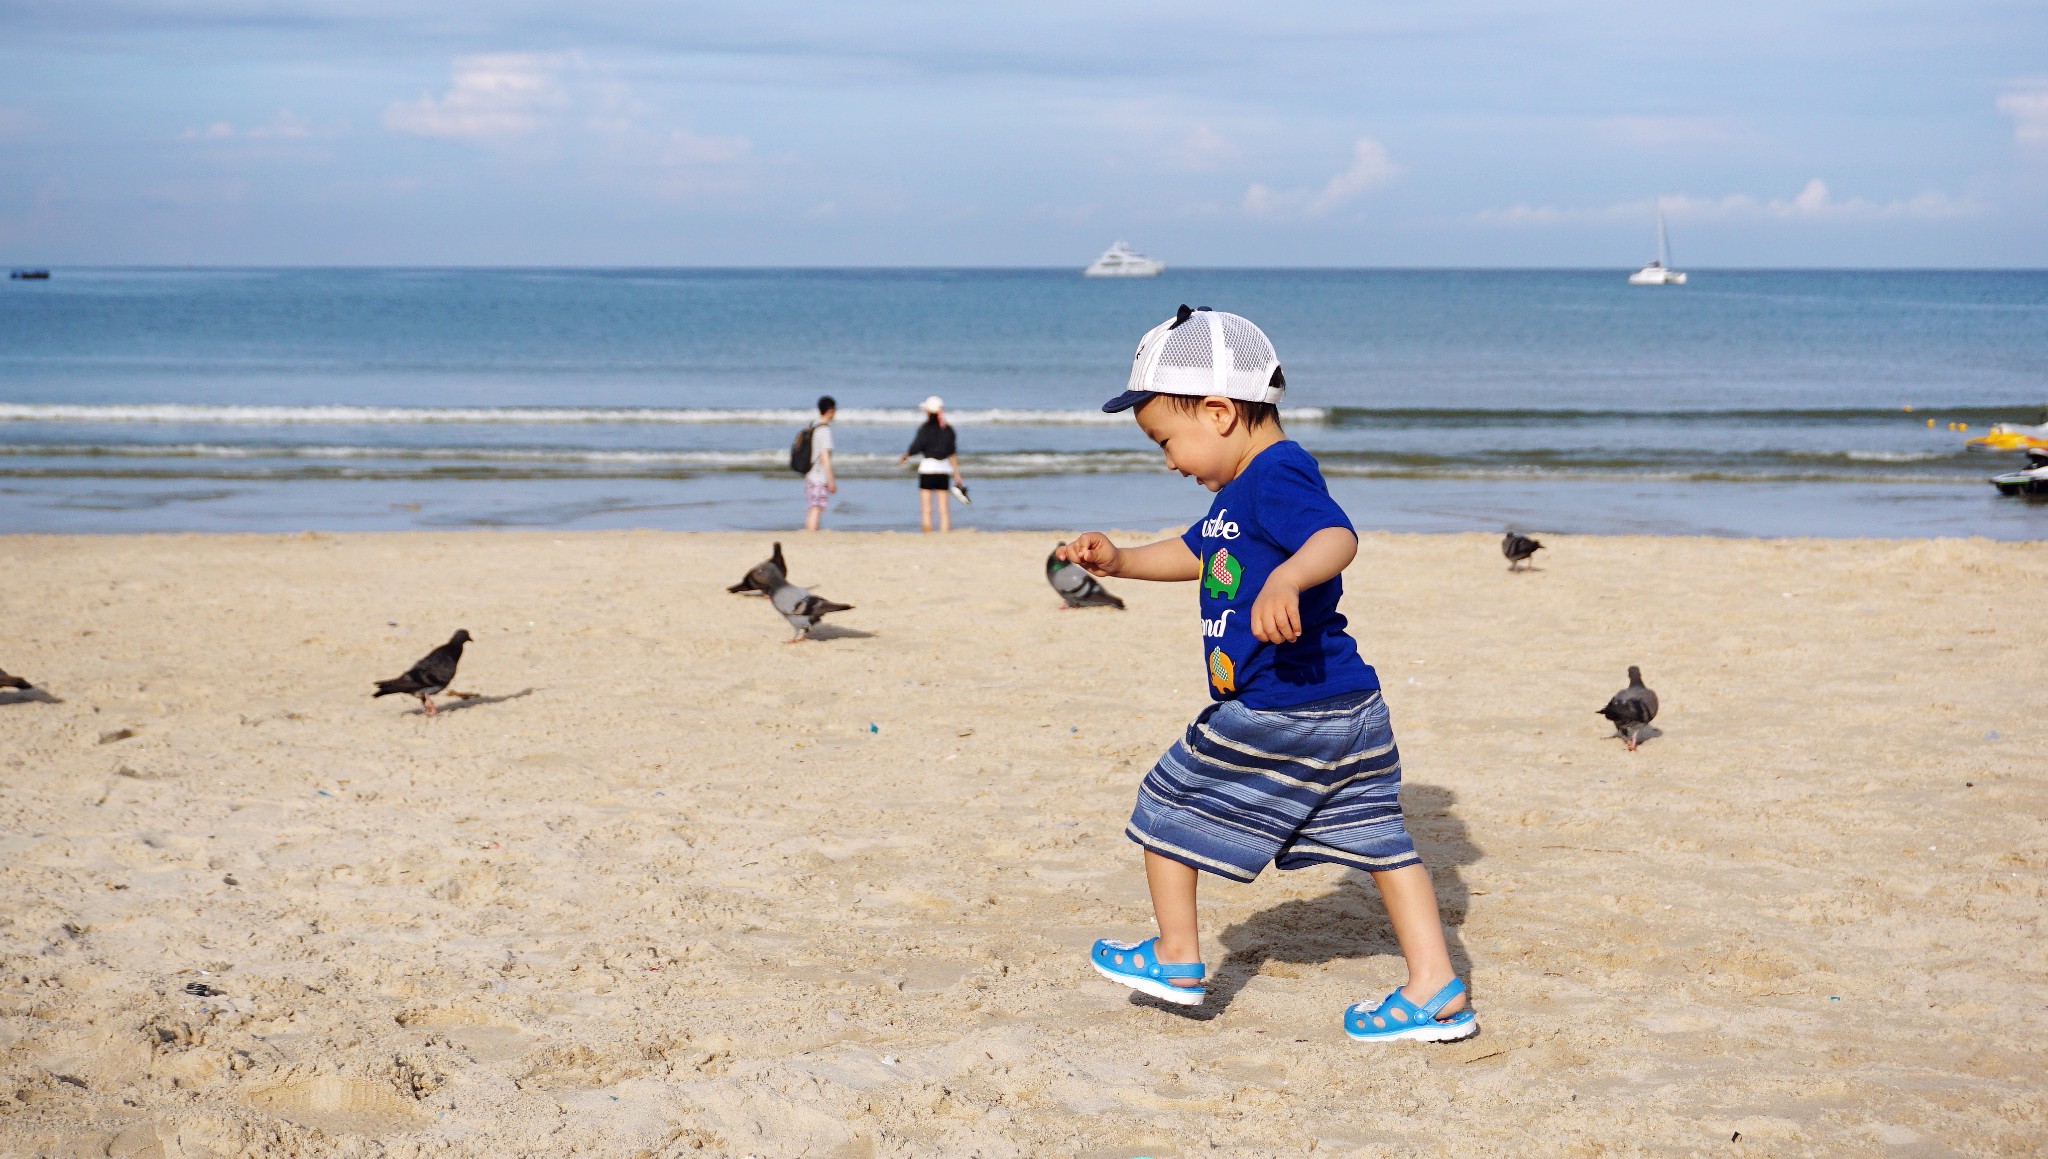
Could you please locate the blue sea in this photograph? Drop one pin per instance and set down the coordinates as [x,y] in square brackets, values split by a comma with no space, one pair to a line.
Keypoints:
[1748,403]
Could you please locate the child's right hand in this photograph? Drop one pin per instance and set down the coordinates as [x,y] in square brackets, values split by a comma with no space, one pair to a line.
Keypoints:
[1094,551]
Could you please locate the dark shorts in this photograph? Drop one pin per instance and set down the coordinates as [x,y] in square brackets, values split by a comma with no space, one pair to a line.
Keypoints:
[934,482]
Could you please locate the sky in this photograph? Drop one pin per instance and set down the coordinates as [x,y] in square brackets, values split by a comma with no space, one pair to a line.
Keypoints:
[1461,133]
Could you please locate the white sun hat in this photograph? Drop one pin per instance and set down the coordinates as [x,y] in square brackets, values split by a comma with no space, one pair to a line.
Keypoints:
[1203,352]
[932,404]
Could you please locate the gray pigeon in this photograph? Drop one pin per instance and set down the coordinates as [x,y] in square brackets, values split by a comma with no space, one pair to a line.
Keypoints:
[431,675]
[1518,549]
[802,609]
[1632,709]
[1075,585]
[766,576]
[7,681]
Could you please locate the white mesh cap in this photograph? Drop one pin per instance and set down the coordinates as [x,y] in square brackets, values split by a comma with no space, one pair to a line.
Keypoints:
[1203,352]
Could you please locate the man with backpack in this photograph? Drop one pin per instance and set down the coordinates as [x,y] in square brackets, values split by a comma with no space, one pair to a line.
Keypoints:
[811,455]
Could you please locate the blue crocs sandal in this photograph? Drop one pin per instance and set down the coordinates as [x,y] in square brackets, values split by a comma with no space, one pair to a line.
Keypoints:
[1397,1018]
[1139,967]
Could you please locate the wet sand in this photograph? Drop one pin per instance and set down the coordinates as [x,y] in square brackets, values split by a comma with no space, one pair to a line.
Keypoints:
[669,887]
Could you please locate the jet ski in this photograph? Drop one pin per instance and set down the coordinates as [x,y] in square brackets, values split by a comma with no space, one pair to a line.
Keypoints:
[2010,437]
[2032,482]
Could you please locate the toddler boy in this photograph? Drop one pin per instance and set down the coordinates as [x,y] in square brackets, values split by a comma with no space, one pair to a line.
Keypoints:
[1294,763]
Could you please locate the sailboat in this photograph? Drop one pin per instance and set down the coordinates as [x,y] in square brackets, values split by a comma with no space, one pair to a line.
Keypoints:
[1659,271]
[1118,261]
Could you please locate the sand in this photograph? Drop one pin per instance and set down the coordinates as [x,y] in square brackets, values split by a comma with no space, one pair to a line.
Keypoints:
[668,887]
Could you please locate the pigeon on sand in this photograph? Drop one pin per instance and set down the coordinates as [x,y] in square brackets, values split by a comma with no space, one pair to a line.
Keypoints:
[1632,709]
[765,577]
[802,609]
[434,672]
[7,681]
[1518,549]
[1075,585]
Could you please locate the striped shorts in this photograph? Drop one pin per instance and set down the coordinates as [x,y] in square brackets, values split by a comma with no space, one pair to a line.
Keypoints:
[1316,783]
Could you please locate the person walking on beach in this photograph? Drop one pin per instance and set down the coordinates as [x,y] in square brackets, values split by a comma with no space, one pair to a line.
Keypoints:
[938,464]
[819,482]
[1294,762]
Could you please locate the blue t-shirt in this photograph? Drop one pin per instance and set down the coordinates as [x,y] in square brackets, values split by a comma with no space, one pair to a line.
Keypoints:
[1258,521]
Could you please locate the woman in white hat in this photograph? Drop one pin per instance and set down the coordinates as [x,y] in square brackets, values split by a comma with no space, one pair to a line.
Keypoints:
[938,464]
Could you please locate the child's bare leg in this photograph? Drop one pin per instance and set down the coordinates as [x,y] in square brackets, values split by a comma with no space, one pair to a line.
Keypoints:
[924,508]
[1173,903]
[945,509]
[1411,907]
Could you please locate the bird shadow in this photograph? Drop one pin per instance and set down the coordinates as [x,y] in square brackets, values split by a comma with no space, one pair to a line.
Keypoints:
[832,632]
[29,696]
[1349,921]
[475,702]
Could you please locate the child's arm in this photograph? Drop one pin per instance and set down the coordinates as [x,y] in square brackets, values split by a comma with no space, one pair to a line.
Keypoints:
[1276,615]
[1169,559]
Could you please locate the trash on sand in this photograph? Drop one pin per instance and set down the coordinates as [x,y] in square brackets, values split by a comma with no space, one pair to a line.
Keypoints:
[117,734]
[202,990]
[872,727]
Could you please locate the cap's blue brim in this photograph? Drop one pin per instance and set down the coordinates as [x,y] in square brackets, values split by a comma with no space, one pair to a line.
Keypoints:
[1127,400]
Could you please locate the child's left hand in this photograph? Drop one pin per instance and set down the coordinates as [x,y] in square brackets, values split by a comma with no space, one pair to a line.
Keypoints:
[1276,614]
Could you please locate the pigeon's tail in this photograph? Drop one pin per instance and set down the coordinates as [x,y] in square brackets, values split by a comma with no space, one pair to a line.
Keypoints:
[397,687]
[7,681]
[816,606]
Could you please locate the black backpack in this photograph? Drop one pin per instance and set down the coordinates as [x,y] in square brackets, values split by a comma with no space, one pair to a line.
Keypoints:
[800,451]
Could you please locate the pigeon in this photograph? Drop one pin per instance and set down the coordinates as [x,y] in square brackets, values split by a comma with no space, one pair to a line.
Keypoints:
[431,675]
[1518,549]
[1632,709]
[7,681]
[802,609]
[1075,585]
[766,576]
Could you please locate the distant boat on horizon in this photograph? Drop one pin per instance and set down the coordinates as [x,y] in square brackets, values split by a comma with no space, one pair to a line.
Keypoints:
[1659,271]
[1120,261]
[29,275]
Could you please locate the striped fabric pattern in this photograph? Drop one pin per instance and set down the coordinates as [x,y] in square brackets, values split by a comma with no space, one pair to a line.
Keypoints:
[1303,786]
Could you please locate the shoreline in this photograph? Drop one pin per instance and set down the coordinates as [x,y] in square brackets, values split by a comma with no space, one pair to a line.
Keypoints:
[669,884]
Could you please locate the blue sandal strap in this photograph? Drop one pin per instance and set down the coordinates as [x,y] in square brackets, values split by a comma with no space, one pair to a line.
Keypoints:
[1179,969]
[1431,1008]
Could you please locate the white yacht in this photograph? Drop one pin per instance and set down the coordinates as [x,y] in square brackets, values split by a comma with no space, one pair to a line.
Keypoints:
[1659,271]
[1119,262]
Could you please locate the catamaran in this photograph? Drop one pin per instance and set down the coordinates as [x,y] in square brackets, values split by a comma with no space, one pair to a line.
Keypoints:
[1659,271]
[1118,261]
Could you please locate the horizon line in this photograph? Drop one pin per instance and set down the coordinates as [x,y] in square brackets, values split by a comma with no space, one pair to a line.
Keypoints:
[1070,269]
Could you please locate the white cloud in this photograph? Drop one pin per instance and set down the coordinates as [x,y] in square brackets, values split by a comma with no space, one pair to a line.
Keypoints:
[2028,108]
[491,98]
[1813,202]
[1371,168]
[285,126]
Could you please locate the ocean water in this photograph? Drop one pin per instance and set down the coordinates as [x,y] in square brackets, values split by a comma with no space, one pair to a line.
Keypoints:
[1746,403]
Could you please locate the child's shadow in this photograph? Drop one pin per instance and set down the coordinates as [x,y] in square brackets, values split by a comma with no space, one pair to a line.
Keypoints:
[1349,921]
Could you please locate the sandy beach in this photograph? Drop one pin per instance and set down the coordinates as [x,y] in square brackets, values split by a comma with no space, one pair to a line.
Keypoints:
[668,887]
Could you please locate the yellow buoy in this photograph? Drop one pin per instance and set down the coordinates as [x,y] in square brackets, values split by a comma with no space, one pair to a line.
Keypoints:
[1930,423]
[1907,409]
